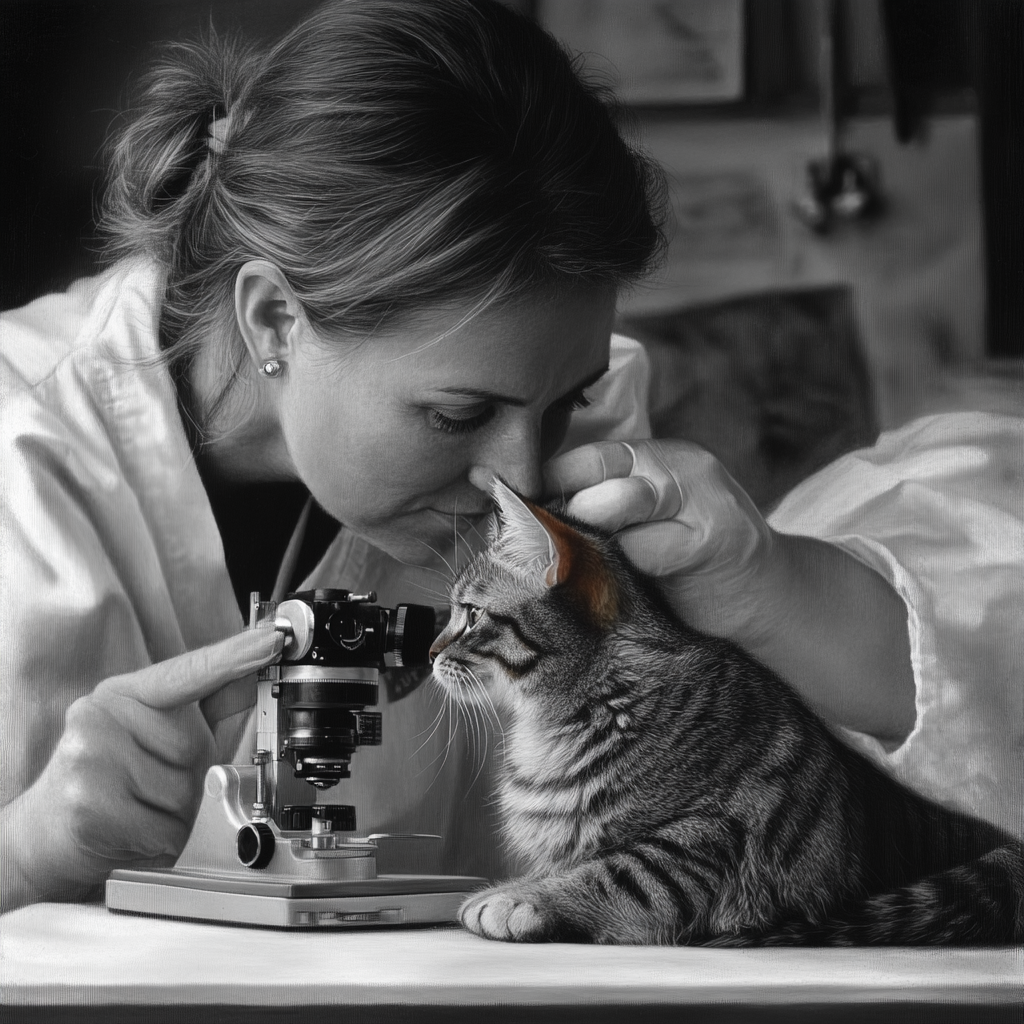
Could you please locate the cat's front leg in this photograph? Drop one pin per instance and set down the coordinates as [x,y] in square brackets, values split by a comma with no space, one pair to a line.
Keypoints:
[653,893]
[586,904]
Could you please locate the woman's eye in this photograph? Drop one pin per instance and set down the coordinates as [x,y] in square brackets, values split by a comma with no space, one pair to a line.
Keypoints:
[473,616]
[462,422]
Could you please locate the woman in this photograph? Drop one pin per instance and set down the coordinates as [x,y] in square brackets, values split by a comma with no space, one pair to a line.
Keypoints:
[377,264]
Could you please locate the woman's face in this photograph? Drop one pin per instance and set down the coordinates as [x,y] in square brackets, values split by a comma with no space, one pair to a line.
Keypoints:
[397,434]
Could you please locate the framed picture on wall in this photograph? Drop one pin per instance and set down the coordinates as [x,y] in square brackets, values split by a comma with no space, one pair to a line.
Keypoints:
[659,51]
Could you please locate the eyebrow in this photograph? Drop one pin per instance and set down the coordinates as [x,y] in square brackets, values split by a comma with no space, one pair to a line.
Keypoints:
[493,396]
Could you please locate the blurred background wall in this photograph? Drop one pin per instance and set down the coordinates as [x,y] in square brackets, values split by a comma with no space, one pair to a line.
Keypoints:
[781,338]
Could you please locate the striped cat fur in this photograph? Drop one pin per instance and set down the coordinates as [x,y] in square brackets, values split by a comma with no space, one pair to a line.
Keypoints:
[664,787]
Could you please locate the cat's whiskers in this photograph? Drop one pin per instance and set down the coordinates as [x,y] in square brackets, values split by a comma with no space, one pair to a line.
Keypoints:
[437,554]
[468,707]
[453,726]
[480,713]
[445,712]
[475,708]
[433,727]
[483,732]
[424,568]
[476,530]
[437,595]
[453,708]
[460,536]
[455,535]
[488,703]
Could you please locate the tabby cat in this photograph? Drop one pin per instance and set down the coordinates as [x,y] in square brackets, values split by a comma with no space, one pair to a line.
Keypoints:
[665,787]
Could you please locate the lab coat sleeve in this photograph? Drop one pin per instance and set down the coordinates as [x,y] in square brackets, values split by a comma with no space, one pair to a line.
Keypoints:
[66,621]
[619,401]
[110,556]
[937,508]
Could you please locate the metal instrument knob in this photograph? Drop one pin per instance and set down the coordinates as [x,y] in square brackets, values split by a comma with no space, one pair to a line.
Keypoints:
[255,844]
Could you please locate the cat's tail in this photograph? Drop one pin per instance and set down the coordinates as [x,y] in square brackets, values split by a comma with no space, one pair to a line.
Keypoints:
[980,903]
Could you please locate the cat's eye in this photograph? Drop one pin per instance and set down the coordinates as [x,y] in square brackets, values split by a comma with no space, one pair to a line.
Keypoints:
[473,616]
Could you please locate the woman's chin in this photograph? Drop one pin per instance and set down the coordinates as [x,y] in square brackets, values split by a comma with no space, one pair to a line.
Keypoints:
[423,539]
[426,538]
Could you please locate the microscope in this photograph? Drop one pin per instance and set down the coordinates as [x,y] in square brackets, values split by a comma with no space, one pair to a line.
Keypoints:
[264,850]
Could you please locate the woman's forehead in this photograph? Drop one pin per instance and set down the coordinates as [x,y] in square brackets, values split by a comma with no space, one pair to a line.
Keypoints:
[520,345]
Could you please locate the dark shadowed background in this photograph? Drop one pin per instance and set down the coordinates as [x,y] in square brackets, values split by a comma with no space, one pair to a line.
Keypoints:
[65,71]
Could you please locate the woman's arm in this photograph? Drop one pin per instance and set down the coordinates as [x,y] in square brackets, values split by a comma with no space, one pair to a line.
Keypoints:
[821,618]
[837,631]
[124,783]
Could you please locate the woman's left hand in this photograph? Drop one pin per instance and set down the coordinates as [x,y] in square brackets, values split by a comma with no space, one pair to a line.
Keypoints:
[679,517]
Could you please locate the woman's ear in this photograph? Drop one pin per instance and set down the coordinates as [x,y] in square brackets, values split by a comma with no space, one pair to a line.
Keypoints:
[267,311]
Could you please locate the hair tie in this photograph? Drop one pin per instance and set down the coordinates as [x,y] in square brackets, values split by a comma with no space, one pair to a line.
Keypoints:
[217,134]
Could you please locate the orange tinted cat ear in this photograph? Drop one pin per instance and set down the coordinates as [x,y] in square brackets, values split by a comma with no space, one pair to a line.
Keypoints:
[525,538]
[533,537]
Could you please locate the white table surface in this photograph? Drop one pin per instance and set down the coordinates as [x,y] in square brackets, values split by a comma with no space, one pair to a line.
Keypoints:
[83,955]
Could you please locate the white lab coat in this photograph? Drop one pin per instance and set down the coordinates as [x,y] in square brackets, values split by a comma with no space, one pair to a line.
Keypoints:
[111,560]
[937,508]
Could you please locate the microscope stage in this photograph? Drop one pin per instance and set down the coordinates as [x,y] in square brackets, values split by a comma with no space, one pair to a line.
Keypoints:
[386,900]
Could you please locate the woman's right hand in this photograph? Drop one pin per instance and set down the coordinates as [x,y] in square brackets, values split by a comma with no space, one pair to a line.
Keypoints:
[125,780]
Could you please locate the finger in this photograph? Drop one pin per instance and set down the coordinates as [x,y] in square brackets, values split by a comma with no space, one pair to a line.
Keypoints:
[125,830]
[199,673]
[615,504]
[661,548]
[664,477]
[94,801]
[586,466]
[230,700]
[172,791]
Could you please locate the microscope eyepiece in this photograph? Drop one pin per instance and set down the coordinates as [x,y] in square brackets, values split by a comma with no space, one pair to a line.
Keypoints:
[335,629]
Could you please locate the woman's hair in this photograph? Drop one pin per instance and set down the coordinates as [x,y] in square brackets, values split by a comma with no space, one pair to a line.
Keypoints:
[387,156]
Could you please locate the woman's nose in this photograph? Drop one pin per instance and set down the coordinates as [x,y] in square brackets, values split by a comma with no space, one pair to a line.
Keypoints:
[515,458]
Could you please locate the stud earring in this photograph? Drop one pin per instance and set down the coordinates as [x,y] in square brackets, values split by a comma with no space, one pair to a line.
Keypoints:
[271,368]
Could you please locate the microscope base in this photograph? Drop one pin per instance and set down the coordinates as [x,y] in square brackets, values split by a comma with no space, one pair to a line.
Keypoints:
[386,900]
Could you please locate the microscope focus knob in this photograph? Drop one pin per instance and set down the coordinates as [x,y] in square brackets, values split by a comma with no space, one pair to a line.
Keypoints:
[255,843]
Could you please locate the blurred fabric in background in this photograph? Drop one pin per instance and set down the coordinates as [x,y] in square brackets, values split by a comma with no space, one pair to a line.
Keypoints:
[775,384]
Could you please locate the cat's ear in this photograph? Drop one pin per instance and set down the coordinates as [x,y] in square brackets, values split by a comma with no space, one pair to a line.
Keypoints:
[526,539]
[533,537]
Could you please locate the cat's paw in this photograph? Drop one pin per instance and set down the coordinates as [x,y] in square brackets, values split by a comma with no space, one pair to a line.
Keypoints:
[512,913]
